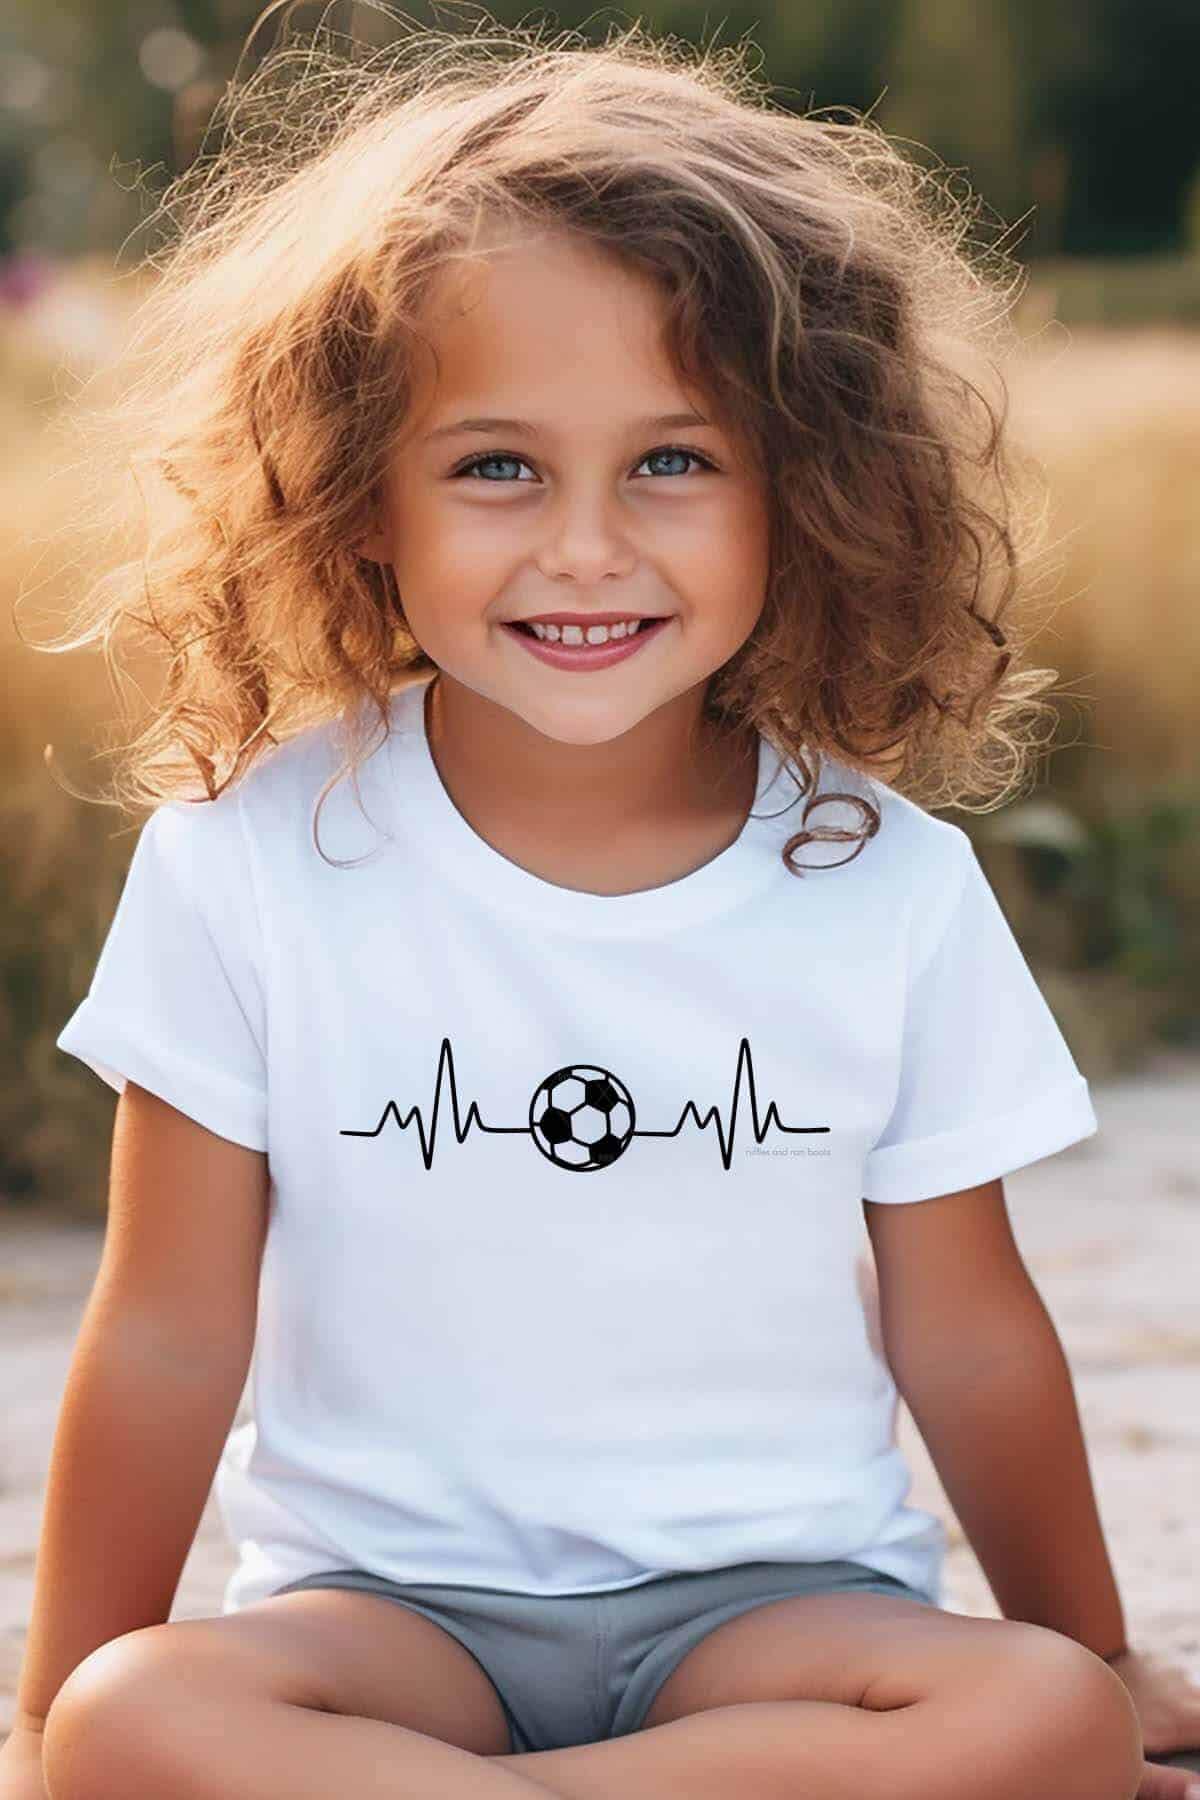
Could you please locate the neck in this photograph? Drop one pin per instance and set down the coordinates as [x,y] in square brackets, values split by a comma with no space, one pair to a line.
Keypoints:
[661,774]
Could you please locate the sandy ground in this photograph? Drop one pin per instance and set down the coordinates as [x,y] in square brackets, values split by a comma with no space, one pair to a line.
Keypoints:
[1109,1229]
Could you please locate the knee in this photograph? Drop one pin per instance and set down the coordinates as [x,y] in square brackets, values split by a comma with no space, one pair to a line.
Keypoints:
[1086,1714]
[97,1729]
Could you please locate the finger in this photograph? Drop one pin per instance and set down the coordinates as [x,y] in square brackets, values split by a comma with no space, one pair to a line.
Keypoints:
[1162,1783]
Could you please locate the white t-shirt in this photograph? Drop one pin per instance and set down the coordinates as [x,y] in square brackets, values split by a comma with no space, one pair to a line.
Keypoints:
[559,1287]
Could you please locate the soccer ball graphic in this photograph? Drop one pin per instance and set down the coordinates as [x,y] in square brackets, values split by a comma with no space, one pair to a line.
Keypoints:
[581,1118]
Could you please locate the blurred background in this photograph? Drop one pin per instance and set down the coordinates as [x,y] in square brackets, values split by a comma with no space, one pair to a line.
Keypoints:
[1079,128]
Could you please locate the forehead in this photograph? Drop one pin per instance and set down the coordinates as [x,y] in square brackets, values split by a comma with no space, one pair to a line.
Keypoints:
[541,324]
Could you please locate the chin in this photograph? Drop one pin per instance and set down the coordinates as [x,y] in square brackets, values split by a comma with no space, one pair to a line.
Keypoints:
[586,721]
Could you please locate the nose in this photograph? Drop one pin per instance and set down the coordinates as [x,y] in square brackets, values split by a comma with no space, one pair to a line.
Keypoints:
[583,542]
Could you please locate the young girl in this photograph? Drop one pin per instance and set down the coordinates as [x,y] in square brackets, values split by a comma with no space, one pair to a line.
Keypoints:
[518,1101]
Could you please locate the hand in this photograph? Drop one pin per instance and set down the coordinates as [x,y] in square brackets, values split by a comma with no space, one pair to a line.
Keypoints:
[21,1765]
[1167,1703]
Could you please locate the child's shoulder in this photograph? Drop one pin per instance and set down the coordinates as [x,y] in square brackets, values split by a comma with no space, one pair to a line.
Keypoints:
[281,787]
[909,877]
[909,842]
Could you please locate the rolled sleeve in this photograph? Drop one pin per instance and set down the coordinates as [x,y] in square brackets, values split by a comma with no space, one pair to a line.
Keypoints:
[176,1001]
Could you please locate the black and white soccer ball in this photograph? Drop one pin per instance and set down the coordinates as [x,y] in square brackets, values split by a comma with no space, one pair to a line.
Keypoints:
[581,1117]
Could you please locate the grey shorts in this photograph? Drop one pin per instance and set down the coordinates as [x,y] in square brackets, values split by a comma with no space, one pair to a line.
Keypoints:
[580,1668]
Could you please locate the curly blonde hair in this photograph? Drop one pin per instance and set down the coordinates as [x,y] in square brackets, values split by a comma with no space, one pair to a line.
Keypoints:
[819,288]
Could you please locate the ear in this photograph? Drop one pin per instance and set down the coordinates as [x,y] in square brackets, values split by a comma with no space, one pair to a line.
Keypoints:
[374,544]
[374,549]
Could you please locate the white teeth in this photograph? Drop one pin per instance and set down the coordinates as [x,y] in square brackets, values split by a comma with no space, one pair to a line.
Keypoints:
[596,634]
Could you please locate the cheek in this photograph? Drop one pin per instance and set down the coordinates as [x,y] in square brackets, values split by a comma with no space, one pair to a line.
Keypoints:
[742,561]
[447,555]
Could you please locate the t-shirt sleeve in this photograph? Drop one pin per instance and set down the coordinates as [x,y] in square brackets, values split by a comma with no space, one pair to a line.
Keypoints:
[987,1082]
[176,1001]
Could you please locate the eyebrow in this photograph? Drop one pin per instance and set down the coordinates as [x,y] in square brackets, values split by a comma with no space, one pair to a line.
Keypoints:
[662,422]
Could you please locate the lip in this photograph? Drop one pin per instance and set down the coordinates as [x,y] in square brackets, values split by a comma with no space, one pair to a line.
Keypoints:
[584,656]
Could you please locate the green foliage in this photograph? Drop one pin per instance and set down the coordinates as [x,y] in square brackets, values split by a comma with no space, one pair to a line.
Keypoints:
[1112,889]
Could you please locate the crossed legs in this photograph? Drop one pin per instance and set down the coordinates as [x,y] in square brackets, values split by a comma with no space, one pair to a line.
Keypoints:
[815,1697]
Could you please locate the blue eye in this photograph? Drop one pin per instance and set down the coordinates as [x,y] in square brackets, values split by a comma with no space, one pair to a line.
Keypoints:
[678,450]
[494,456]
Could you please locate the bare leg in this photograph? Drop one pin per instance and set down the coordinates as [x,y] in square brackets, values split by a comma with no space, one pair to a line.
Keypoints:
[253,1707]
[823,1750]
[850,1696]
[181,1729]
[261,1749]
[216,1748]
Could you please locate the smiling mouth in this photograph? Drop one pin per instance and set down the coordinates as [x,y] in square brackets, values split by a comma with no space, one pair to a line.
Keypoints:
[588,646]
[582,631]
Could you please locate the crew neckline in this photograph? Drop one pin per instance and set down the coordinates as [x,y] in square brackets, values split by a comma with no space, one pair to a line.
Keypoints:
[450,841]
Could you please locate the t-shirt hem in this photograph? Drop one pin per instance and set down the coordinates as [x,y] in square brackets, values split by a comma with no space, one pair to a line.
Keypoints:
[218,1102]
[976,1153]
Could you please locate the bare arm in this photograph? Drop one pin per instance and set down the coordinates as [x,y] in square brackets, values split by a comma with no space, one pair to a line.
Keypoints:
[154,1383]
[978,1360]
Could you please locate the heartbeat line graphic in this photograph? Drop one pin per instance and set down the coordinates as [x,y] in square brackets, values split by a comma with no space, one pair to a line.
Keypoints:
[583,1118]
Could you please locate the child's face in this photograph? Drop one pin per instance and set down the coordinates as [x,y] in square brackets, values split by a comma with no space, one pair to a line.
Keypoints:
[592,514]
